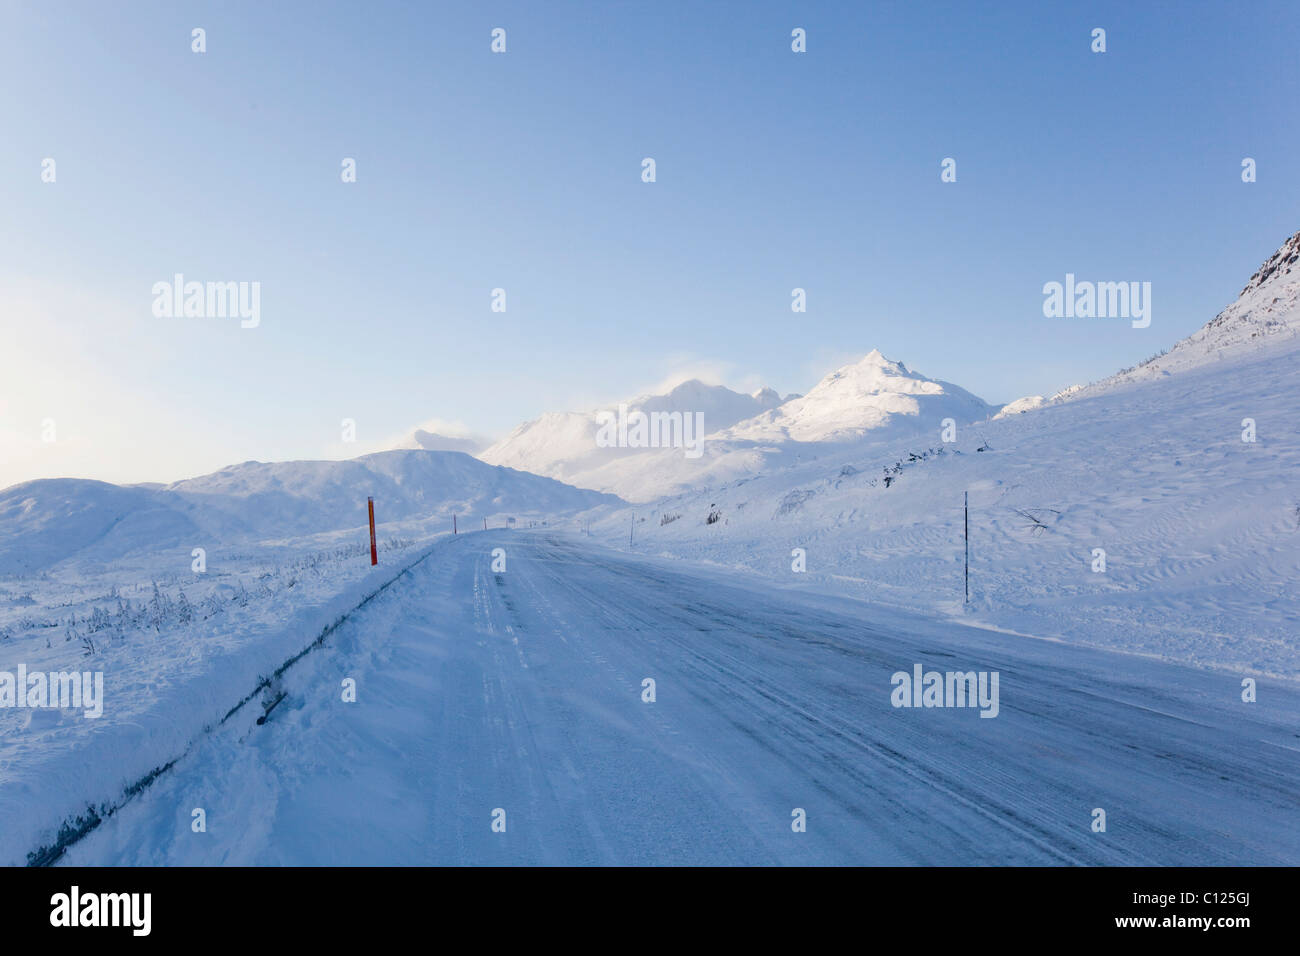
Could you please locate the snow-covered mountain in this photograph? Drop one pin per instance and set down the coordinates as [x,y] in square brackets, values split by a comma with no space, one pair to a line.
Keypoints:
[563,445]
[46,521]
[868,396]
[869,400]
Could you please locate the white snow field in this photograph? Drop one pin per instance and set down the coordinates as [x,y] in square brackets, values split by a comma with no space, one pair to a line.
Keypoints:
[521,691]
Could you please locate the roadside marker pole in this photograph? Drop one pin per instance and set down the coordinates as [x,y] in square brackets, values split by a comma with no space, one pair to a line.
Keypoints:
[453,525]
[374,552]
[966,509]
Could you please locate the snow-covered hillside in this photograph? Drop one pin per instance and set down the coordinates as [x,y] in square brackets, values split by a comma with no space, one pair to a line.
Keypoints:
[1265,316]
[47,521]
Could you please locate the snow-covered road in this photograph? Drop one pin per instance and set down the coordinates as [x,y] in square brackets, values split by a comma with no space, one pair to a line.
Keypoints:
[522,691]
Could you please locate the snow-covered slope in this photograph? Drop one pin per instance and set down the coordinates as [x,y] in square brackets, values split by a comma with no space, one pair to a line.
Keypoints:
[43,522]
[1265,315]
[47,521]
[1264,319]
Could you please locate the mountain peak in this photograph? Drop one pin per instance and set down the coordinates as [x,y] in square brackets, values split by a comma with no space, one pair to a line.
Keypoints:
[871,373]
[876,359]
[873,393]
[1277,266]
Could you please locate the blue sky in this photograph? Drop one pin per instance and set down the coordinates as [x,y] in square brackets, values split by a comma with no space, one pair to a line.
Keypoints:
[522,171]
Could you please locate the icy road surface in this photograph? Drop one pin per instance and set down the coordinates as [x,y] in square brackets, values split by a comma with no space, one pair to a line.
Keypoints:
[522,691]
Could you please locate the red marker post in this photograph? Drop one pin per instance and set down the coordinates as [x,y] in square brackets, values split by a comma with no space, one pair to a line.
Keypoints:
[374,552]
